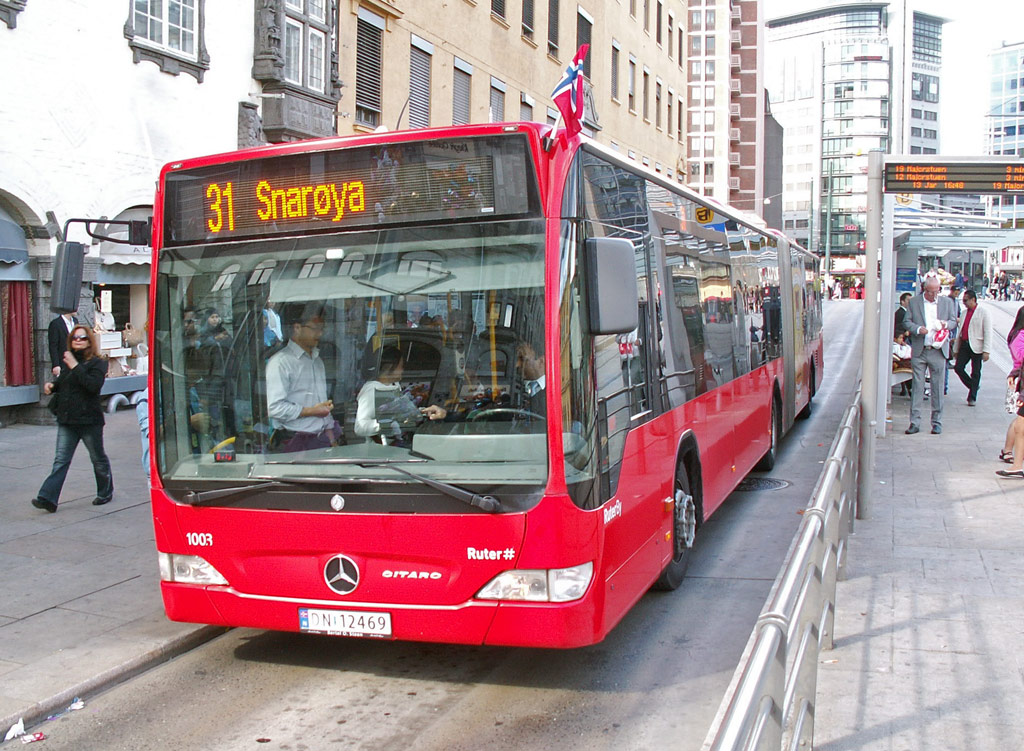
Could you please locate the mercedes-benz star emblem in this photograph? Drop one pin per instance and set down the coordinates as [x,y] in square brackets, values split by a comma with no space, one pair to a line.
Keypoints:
[341,574]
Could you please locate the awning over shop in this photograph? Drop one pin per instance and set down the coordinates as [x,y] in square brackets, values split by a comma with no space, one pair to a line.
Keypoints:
[13,247]
[123,270]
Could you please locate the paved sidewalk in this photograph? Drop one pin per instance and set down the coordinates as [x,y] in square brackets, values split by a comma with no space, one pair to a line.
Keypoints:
[929,631]
[79,590]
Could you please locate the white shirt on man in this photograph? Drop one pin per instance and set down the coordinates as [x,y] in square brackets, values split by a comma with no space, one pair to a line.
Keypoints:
[296,379]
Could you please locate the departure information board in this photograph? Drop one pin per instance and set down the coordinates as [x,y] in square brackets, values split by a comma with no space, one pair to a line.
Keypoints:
[954,177]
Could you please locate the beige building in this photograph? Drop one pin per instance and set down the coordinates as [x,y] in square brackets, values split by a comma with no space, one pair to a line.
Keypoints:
[674,85]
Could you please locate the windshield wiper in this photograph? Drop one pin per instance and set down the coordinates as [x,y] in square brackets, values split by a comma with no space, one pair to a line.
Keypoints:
[487,503]
[194,498]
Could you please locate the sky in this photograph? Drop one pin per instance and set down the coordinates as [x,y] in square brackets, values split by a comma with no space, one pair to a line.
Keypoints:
[974,28]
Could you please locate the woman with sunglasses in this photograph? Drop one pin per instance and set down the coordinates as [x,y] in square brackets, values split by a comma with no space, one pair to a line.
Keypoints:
[76,404]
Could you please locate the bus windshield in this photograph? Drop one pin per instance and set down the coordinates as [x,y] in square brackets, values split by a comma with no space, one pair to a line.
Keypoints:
[347,355]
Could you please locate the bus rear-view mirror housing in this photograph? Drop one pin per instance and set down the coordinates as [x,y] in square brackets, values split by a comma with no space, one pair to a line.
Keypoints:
[611,285]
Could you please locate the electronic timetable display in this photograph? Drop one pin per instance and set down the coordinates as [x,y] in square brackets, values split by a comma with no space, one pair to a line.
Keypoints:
[953,177]
[397,183]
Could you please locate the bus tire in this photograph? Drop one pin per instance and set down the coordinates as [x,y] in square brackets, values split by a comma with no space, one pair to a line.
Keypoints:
[684,530]
[767,462]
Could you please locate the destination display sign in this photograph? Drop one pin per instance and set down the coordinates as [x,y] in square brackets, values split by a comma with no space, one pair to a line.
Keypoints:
[954,177]
[398,183]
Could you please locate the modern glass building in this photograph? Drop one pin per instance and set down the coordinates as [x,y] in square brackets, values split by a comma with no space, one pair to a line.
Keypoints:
[1004,120]
[841,83]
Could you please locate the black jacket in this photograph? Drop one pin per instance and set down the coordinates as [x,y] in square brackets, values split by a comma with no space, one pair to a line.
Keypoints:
[77,391]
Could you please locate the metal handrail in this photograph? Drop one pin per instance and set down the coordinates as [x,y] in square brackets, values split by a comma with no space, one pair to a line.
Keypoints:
[770,701]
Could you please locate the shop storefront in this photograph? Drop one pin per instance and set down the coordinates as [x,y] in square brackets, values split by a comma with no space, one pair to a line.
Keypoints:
[121,305]
[17,274]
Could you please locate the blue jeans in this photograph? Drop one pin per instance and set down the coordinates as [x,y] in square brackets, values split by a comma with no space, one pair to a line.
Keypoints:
[68,437]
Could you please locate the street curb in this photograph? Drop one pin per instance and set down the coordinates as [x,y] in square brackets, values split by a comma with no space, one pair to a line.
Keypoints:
[39,711]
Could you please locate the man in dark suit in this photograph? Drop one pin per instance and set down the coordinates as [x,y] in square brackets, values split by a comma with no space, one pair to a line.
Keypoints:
[930,316]
[57,338]
[531,366]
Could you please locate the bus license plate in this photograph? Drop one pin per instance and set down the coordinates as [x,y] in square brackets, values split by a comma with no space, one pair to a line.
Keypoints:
[344,622]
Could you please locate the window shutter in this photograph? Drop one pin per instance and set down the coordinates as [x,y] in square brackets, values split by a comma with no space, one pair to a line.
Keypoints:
[419,89]
[528,19]
[583,33]
[460,98]
[368,73]
[552,27]
[497,105]
[498,8]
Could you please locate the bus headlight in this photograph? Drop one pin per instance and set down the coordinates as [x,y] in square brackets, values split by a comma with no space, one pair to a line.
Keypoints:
[188,569]
[539,585]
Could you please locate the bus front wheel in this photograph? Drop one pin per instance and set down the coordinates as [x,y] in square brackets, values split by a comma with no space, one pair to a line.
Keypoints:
[684,530]
[767,462]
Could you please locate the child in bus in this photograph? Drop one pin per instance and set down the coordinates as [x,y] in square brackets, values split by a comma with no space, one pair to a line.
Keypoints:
[384,412]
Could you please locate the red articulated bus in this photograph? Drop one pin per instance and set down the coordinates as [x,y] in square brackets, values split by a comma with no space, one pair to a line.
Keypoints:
[469,384]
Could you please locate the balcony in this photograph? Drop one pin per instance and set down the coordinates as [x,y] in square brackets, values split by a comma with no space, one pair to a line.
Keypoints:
[736,37]
[734,87]
[734,183]
[734,135]
[734,111]
[734,160]
[737,63]
[737,16]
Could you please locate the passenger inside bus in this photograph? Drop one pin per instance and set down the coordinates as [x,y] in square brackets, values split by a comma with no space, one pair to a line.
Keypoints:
[297,398]
[385,413]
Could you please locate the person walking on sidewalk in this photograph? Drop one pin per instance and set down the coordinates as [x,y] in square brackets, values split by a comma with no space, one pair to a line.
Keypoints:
[1015,341]
[76,404]
[973,344]
[929,320]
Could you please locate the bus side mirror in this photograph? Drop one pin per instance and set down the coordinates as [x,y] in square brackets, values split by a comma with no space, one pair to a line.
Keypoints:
[68,266]
[611,285]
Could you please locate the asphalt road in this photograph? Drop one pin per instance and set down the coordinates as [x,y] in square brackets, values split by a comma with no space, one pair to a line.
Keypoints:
[656,681]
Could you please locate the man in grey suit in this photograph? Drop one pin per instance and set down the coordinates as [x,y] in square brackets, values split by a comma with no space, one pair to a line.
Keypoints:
[926,314]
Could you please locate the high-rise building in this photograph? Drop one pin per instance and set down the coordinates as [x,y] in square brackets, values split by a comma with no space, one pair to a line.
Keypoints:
[1004,121]
[843,80]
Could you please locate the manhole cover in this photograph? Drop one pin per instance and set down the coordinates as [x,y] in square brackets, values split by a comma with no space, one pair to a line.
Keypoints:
[761,483]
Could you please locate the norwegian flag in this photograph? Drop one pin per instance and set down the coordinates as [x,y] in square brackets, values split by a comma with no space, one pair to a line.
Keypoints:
[568,94]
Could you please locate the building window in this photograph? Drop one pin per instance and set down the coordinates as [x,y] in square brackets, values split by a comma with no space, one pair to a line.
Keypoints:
[668,113]
[463,76]
[170,24]
[709,20]
[695,19]
[657,105]
[525,108]
[680,47]
[369,41]
[709,45]
[632,86]
[929,133]
[584,28]
[647,96]
[496,110]
[528,19]
[615,73]
[169,33]
[657,22]
[668,36]
[924,88]
[647,15]
[305,44]
[553,27]
[498,8]
[419,87]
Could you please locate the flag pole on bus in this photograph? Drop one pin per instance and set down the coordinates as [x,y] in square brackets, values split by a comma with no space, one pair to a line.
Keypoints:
[568,95]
